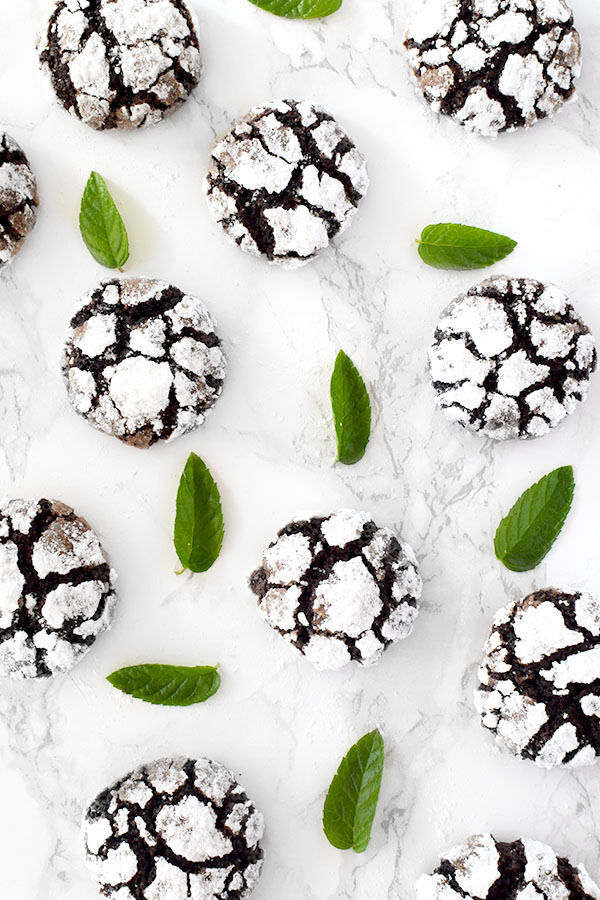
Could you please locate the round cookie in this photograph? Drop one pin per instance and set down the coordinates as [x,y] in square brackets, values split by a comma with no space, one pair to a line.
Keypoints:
[486,869]
[511,358]
[285,181]
[494,65]
[120,63]
[338,588]
[18,198]
[142,360]
[539,689]
[56,588]
[175,829]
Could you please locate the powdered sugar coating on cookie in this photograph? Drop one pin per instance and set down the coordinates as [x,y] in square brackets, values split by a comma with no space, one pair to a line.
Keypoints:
[142,360]
[120,63]
[18,198]
[494,65]
[483,868]
[56,588]
[511,358]
[174,829]
[285,181]
[338,588]
[539,687]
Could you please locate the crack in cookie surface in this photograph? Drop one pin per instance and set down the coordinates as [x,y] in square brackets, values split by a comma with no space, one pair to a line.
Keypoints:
[338,588]
[539,687]
[511,358]
[18,198]
[487,869]
[56,588]
[494,65]
[142,360]
[120,63]
[285,181]
[175,828]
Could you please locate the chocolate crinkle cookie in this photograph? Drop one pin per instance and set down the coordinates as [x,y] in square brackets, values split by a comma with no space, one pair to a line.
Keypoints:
[175,829]
[494,65]
[486,869]
[18,198]
[338,588]
[120,63]
[142,360]
[511,358]
[285,181]
[56,588]
[539,689]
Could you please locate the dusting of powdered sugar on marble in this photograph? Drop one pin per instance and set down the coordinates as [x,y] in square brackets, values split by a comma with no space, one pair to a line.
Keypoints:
[18,198]
[285,181]
[539,678]
[338,588]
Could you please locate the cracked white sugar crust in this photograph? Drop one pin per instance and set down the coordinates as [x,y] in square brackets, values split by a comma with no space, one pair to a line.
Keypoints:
[120,63]
[56,588]
[504,65]
[483,867]
[174,829]
[539,689]
[18,198]
[338,588]
[285,181]
[142,360]
[511,358]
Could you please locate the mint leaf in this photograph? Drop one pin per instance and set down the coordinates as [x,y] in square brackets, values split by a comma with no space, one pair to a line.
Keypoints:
[448,246]
[101,225]
[198,533]
[352,797]
[299,9]
[167,685]
[528,532]
[351,410]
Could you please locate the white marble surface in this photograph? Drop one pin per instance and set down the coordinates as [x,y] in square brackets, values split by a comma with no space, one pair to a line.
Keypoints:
[269,442]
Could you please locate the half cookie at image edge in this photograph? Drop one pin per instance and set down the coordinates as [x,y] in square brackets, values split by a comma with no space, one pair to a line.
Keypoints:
[56,588]
[285,181]
[120,63]
[494,65]
[18,198]
[174,829]
[338,588]
[511,358]
[539,690]
[142,360]
[487,869]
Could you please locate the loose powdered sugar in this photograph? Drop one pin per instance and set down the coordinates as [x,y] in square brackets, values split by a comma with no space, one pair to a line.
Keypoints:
[285,181]
[511,358]
[338,588]
[175,829]
[142,360]
[18,198]
[540,678]
[494,66]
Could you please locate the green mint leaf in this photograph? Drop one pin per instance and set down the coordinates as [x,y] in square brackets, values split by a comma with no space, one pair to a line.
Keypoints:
[167,685]
[351,410]
[198,533]
[528,532]
[299,9]
[448,246]
[352,797]
[101,225]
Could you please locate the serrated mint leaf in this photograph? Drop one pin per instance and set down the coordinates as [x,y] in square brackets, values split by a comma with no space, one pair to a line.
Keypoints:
[167,685]
[529,530]
[351,410]
[101,225]
[299,9]
[448,246]
[352,797]
[198,533]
